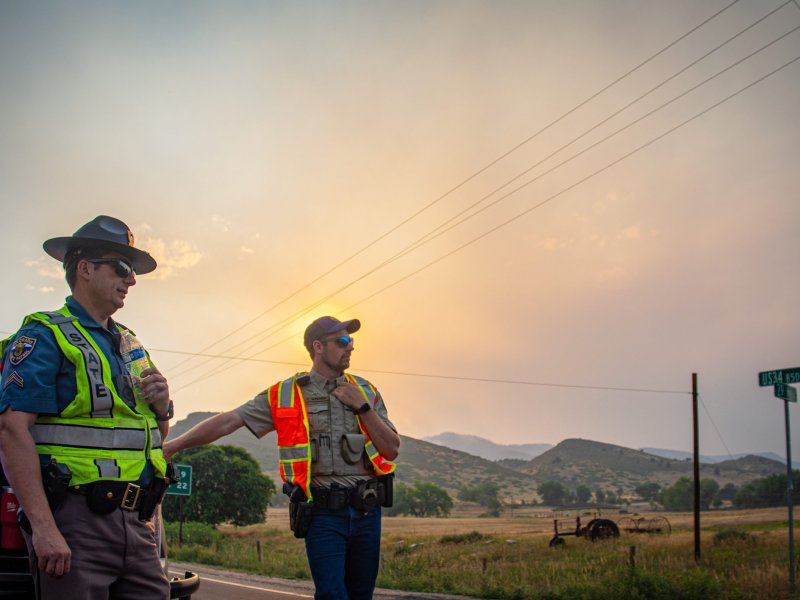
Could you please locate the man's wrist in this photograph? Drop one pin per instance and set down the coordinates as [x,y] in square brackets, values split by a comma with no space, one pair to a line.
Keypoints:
[363,408]
[166,415]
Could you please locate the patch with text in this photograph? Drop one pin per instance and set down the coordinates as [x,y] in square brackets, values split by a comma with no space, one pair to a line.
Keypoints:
[21,349]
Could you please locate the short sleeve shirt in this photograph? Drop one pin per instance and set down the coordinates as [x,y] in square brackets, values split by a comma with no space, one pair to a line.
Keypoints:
[257,415]
[43,380]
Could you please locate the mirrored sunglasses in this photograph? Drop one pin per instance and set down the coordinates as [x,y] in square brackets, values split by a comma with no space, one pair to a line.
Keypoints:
[343,341]
[121,267]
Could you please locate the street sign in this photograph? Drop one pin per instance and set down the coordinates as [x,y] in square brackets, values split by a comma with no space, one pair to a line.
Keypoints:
[786,392]
[779,376]
[182,487]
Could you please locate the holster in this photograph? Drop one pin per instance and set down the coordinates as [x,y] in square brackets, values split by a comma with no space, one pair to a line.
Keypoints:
[365,496]
[55,481]
[386,490]
[300,514]
[152,499]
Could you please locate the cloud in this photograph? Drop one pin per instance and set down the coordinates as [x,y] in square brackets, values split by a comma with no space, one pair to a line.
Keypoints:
[598,240]
[171,256]
[550,244]
[44,289]
[221,223]
[631,233]
[46,267]
[611,275]
[246,250]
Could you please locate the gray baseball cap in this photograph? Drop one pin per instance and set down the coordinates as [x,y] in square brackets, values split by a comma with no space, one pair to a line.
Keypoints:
[327,325]
[106,233]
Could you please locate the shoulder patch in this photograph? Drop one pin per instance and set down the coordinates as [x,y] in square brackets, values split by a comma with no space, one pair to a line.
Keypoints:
[21,349]
[13,378]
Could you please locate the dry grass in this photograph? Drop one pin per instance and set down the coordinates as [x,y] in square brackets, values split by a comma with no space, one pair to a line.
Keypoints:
[510,558]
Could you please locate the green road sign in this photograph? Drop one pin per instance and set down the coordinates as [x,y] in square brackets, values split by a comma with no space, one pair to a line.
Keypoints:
[182,487]
[779,376]
[786,392]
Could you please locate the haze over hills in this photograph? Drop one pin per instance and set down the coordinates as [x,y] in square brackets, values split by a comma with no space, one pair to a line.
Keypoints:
[572,462]
[478,446]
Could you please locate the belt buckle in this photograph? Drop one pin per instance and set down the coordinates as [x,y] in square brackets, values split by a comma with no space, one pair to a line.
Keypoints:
[130,497]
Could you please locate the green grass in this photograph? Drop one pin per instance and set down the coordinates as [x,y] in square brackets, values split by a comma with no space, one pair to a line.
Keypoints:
[736,564]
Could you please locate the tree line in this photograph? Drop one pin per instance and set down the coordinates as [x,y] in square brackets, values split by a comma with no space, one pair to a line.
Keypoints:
[228,487]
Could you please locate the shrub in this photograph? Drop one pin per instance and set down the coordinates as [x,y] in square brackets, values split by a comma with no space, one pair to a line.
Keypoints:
[462,538]
[194,533]
[732,535]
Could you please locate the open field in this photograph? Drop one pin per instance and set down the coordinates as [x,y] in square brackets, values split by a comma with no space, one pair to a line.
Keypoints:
[744,556]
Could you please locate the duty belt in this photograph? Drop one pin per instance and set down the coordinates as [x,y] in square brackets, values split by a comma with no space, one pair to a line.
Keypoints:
[105,496]
[365,496]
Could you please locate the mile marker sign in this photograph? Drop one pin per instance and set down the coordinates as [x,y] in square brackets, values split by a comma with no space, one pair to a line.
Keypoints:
[779,376]
[786,392]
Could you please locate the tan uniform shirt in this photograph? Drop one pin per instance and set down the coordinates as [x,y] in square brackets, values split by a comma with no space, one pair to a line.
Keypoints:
[337,445]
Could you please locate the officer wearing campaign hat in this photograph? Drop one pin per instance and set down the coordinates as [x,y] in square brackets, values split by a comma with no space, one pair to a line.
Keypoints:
[106,233]
[336,445]
[72,403]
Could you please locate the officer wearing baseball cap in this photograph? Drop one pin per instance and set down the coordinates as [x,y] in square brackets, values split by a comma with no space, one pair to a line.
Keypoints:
[336,446]
[72,404]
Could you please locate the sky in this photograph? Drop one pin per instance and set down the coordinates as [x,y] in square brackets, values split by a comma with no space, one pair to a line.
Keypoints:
[546,215]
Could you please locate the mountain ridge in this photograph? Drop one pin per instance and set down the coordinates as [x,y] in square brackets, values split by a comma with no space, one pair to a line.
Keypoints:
[572,462]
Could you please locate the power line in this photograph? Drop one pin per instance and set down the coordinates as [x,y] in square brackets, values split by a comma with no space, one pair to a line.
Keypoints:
[563,191]
[476,174]
[719,435]
[433,235]
[438,376]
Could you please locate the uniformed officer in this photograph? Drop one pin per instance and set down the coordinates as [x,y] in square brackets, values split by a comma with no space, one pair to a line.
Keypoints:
[70,406]
[336,445]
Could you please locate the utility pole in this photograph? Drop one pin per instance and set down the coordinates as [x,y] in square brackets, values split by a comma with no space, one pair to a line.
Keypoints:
[696,470]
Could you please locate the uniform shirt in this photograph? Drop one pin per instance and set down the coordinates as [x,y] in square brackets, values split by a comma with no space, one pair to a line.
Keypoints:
[257,417]
[44,381]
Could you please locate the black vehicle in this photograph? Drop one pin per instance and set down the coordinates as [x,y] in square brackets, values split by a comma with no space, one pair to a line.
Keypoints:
[16,582]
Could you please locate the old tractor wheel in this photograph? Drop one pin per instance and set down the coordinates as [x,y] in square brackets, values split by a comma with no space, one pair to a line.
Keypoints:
[603,529]
[557,542]
[659,525]
[627,524]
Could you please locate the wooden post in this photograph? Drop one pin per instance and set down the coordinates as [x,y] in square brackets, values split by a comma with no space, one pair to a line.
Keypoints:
[632,556]
[696,470]
[258,549]
[180,521]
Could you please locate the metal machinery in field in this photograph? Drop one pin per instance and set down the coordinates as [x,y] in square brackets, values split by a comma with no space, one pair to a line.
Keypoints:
[645,525]
[596,529]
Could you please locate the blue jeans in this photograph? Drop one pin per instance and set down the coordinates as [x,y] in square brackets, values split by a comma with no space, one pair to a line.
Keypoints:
[344,548]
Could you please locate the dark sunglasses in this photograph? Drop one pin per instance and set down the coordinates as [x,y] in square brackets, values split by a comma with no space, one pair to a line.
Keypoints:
[343,340]
[121,267]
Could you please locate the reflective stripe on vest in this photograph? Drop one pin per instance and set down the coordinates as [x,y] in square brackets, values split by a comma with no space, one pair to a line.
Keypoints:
[289,414]
[290,417]
[381,465]
[101,397]
[97,435]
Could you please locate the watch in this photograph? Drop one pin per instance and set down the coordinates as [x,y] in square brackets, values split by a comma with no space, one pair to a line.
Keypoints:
[166,417]
[363,408]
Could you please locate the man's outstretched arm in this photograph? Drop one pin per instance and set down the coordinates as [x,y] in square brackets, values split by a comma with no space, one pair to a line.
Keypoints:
[204,433]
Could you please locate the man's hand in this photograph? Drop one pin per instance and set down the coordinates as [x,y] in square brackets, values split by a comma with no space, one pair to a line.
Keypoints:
[154,388]
[168,448]
[349,394]
[52,551]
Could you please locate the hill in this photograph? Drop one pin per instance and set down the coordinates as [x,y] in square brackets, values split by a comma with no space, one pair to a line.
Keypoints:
[704,458]
[478,446]
[573,462]
[611,467]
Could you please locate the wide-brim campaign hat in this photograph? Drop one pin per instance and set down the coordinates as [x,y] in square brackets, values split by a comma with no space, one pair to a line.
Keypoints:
[105,233]
[327,325]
